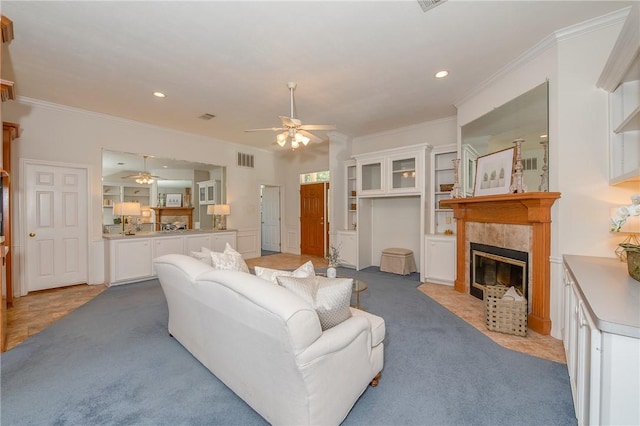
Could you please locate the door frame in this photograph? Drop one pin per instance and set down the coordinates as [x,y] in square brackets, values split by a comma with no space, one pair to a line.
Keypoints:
[281,188]
[20,228]
[280,209]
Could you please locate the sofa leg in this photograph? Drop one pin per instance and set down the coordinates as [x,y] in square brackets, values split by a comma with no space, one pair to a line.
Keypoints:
[375,380]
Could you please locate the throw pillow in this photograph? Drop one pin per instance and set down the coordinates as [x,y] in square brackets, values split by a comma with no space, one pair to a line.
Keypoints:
[305,270]
[203,257]
[229,260]
[330,297]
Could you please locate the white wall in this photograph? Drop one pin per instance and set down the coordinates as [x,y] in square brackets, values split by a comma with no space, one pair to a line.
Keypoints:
[309,159]
[578,139]
[61,134]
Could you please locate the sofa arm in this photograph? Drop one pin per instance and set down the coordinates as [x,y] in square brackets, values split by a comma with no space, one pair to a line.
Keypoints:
[335,339]
[186,264]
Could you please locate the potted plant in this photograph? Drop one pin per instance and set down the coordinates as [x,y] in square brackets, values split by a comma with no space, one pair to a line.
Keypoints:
[334,260]
[630,247]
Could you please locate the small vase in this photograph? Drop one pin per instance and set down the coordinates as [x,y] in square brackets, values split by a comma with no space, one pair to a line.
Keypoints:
[633,264]
[331,272]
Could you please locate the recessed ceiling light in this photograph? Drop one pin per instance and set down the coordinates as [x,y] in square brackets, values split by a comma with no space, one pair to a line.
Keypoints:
[159,95]
[442,74]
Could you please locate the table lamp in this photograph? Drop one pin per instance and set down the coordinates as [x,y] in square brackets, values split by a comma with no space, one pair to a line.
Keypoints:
[221,211]
[126,209]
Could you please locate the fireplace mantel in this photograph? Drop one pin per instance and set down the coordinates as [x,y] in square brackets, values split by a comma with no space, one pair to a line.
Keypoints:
[529,208]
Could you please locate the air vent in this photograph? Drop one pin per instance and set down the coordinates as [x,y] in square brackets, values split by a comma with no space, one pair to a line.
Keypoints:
[429,4]
[530,163]
[245,160]
[206,116]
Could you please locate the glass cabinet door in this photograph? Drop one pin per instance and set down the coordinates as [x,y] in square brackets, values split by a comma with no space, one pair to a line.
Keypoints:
[403,173]
[203,194]
[371,178]
[211,193]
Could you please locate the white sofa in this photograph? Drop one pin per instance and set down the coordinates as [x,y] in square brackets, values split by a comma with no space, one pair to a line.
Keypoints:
[266,344]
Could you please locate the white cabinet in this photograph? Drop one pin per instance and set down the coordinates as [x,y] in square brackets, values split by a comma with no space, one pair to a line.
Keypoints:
[346,240]
[621,78]
[442,173]
[391,172]
[440,259]
[601,337]
[209,192]
[221,239]
[130,259]
[351,219]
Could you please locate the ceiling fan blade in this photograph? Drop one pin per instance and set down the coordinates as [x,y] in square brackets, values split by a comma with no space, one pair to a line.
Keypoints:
[290,122]
[271,129]
[317,127]
[314,138]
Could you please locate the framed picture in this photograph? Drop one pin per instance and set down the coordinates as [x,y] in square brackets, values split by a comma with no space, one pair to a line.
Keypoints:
[493,173]
[174,200]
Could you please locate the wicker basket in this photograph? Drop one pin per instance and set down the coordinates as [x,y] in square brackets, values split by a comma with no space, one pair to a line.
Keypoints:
[504,316]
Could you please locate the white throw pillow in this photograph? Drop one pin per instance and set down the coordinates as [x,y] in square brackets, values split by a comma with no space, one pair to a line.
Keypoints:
[203,257]
[330,297]
[305,270]
[229,260]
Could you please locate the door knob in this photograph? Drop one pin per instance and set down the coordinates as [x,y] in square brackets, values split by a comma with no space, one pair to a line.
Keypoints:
[32,234]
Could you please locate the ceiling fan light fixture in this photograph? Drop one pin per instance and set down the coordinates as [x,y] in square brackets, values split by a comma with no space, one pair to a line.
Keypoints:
[282,138]
[294,144]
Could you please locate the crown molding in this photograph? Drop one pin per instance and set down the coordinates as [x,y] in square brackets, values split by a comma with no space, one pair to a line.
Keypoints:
[411,127]
[550,41]
[624,52]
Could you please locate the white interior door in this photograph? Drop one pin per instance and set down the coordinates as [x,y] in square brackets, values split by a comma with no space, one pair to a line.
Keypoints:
[56,226]
[271,218]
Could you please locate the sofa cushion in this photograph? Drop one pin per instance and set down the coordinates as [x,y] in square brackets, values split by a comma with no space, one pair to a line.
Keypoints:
[303,271]
[202,256]
[228,260]
[330,297]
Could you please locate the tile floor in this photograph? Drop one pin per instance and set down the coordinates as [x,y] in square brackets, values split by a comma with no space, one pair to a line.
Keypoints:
[33,313]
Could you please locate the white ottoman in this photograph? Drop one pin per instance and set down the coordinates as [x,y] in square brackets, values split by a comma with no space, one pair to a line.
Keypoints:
[397,261]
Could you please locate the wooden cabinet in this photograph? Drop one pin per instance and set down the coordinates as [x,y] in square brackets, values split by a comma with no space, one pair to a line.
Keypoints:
[130,259]
[442,173]
[601,337]
[440,259]
[346,240]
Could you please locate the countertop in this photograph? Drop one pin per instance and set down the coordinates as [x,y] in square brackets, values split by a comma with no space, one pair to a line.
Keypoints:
[165,233]
[611,296]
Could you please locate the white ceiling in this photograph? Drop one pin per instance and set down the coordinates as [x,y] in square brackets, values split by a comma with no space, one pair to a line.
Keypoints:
[364,66]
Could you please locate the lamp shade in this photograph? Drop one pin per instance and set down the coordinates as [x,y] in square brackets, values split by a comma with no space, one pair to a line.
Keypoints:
[221,209]
[126,209]
[210,209]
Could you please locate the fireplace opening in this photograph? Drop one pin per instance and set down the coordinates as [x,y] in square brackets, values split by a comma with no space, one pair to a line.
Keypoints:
[491,265]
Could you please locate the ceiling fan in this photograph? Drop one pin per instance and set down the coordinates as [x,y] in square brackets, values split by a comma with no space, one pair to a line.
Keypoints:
[143,177]
[292,128]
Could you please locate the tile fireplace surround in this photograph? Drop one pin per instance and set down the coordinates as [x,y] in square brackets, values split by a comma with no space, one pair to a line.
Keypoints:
[515,221]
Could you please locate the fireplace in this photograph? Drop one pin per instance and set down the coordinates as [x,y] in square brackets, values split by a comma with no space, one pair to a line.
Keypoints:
[507,221]
[491,265]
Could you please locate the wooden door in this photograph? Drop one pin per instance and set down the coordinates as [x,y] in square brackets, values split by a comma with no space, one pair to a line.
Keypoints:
[312,219]
[56,225]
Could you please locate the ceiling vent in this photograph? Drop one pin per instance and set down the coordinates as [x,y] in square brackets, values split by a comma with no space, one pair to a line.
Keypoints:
[206,116]
[245,160]
[429,4]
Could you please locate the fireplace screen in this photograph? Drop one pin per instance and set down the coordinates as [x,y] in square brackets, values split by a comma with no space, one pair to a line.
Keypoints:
[492,265]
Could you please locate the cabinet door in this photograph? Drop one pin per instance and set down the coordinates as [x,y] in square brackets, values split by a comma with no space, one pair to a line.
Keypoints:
[404,174]
[370,177]
[221,239]
[168,245]
[347,243]
[440,260]
[202,194]
[196,242]
[132,259]
[211,193]
[588,395]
